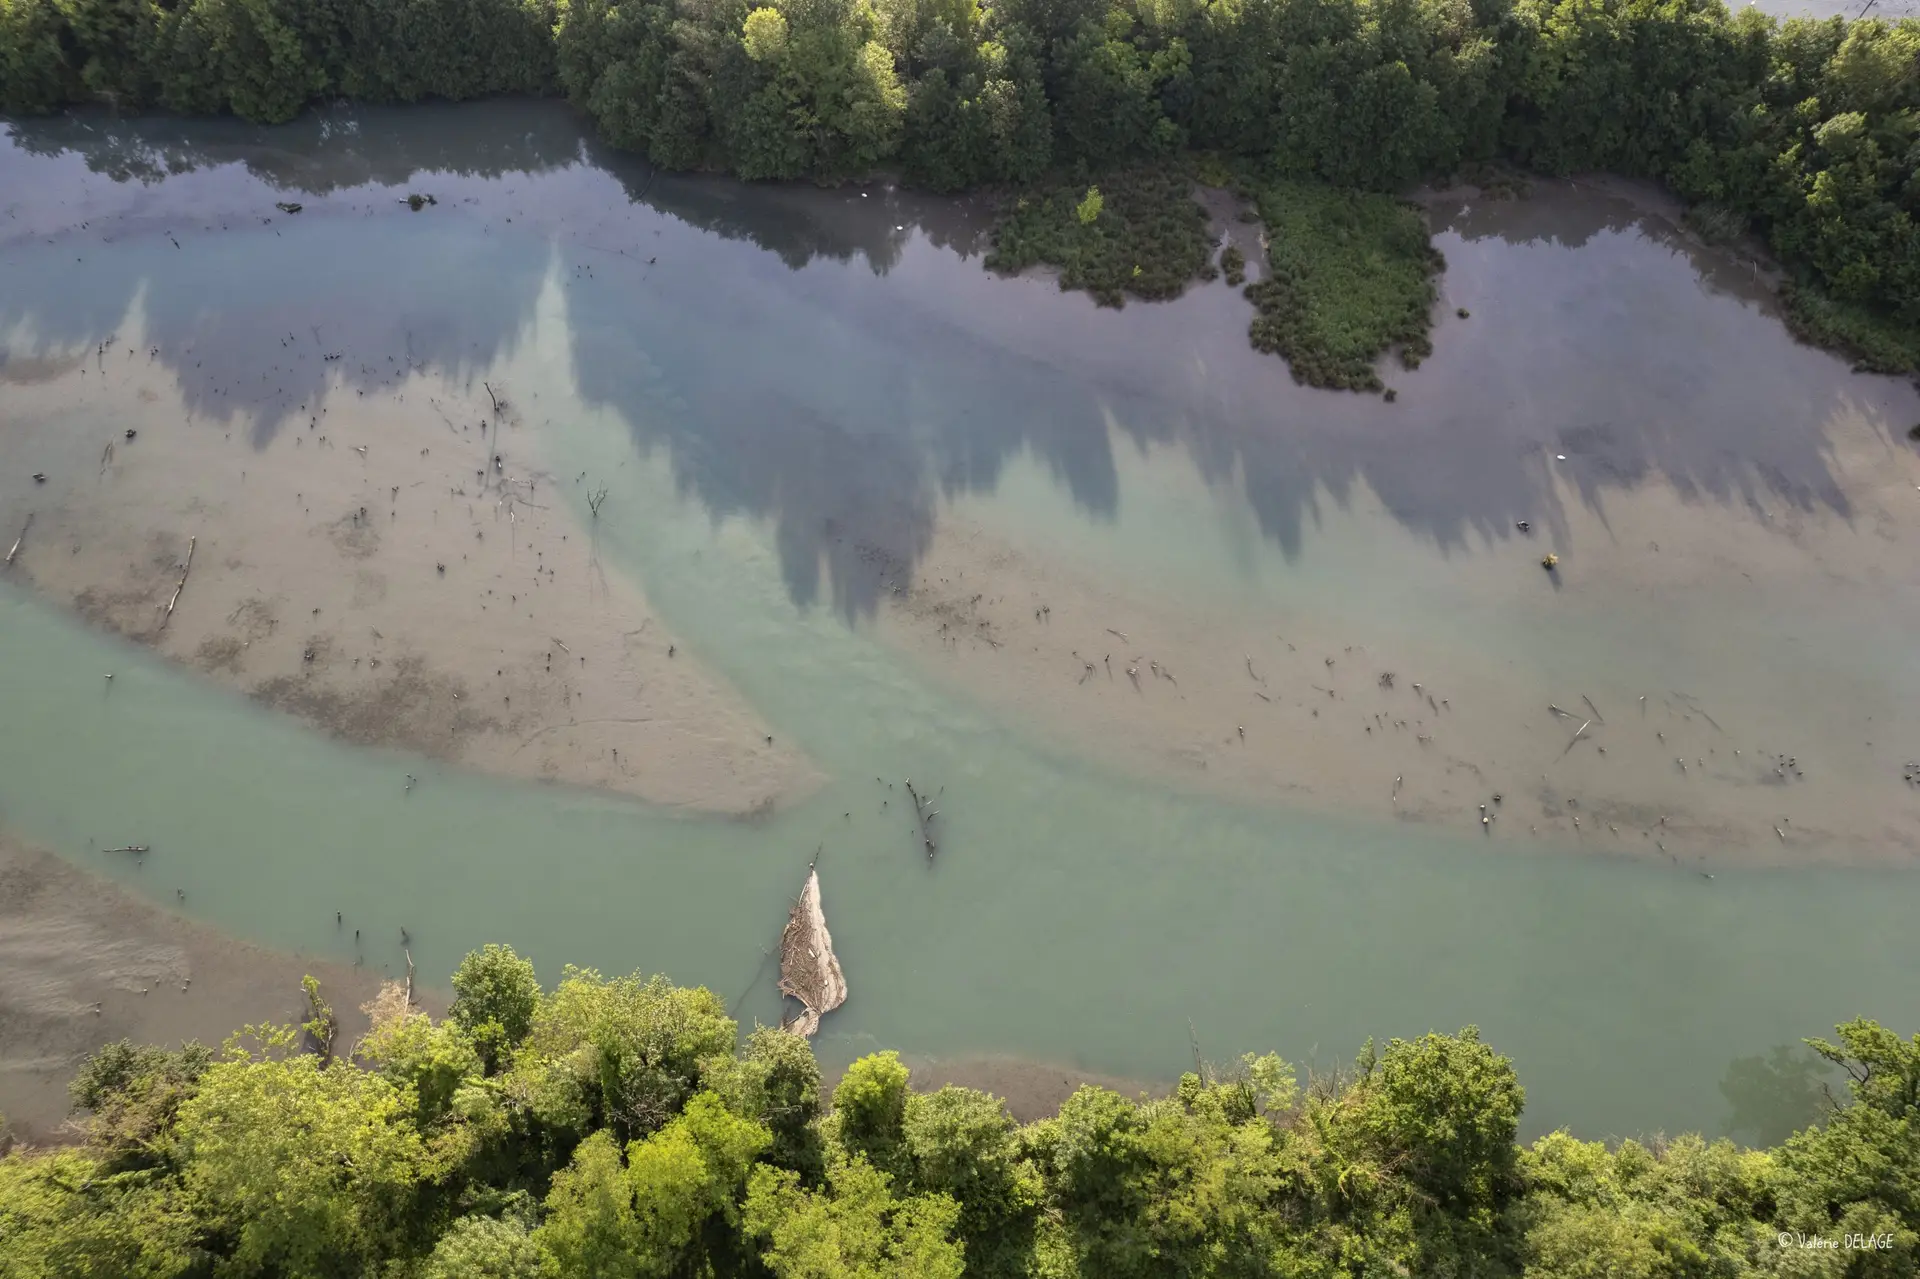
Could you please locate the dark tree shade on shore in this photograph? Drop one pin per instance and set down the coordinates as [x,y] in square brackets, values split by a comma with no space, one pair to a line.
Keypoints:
[1805,132]
[614,1129]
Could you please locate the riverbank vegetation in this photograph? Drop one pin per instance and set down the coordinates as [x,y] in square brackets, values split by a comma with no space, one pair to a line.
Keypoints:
[619,1128]
[1138,232]
[1351,275]
[1803,133]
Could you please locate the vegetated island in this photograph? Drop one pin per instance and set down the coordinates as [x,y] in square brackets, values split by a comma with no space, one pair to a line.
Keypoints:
[619,1127]
[1091,117]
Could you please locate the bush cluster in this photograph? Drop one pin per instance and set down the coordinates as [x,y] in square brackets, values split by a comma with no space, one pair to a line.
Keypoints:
[1351,277]
[1139,231]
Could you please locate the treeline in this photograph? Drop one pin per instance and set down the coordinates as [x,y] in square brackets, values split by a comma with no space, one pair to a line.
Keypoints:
[612,1129]
[1805,131]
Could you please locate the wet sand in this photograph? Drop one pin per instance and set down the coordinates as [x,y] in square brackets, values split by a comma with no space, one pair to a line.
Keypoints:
[1032,1089]
[1334,709]
[84,963]
[391,567]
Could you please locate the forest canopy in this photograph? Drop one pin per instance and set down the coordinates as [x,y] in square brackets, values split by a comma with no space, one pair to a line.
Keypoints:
[1804,132]
[613,1128]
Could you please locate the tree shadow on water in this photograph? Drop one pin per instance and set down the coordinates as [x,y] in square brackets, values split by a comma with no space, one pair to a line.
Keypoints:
[855,367]
[1773,1096]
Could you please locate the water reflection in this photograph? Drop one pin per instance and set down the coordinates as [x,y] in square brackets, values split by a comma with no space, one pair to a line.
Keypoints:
[841,382]
[838,386]
[1774,1096]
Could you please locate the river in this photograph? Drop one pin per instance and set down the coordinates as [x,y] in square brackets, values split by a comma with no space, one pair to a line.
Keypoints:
[880,496]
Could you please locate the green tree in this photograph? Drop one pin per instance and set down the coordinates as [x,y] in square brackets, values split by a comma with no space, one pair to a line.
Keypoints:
[624,1053]
[825,99]
[120,47]
[36,73]
[870,1111]
[963,1144]
[1687,1208]
[250,57]
[66,1215]
[978,116]
[430,1062]
[1106,98]
[1448,1106]
[1859,1173]
[1884,1069]
[485,1248]
[495,995]
[688,1180]
[774,1080]
[313,1168]
[855,1228]
[590,1227]
[765,36]
[132,1096]
[673,1204]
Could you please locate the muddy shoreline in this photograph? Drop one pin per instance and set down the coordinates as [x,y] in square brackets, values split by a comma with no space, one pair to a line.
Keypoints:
[84,962]
[1337,715]
[395,570]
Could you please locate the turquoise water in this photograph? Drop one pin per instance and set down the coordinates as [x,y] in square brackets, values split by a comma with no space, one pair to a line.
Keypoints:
[785,400]
[1072,918]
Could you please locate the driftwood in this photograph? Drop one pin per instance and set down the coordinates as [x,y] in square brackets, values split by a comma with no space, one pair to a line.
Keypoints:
[181,585]
[129,848]
[1693,704]
[809,971]
[16,541]
[409,955]
[924,813]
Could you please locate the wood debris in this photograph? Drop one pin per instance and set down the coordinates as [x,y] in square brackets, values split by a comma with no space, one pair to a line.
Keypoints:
[16,541]
[181,585]
[809,970]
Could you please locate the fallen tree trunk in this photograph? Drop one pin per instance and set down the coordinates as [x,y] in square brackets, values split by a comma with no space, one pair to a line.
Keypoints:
[181,585]
[809,971]
[16,541]
[923,810]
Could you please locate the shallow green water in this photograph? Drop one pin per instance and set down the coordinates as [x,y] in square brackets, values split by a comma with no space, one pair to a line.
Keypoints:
[775,439]
[1075,919]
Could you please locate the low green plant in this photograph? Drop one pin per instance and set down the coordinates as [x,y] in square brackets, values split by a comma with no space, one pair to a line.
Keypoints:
[1875,341]
[1351,277]
[1139,232]
[1234,263]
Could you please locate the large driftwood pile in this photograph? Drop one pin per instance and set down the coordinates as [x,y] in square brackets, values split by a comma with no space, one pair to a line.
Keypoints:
[808,969]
